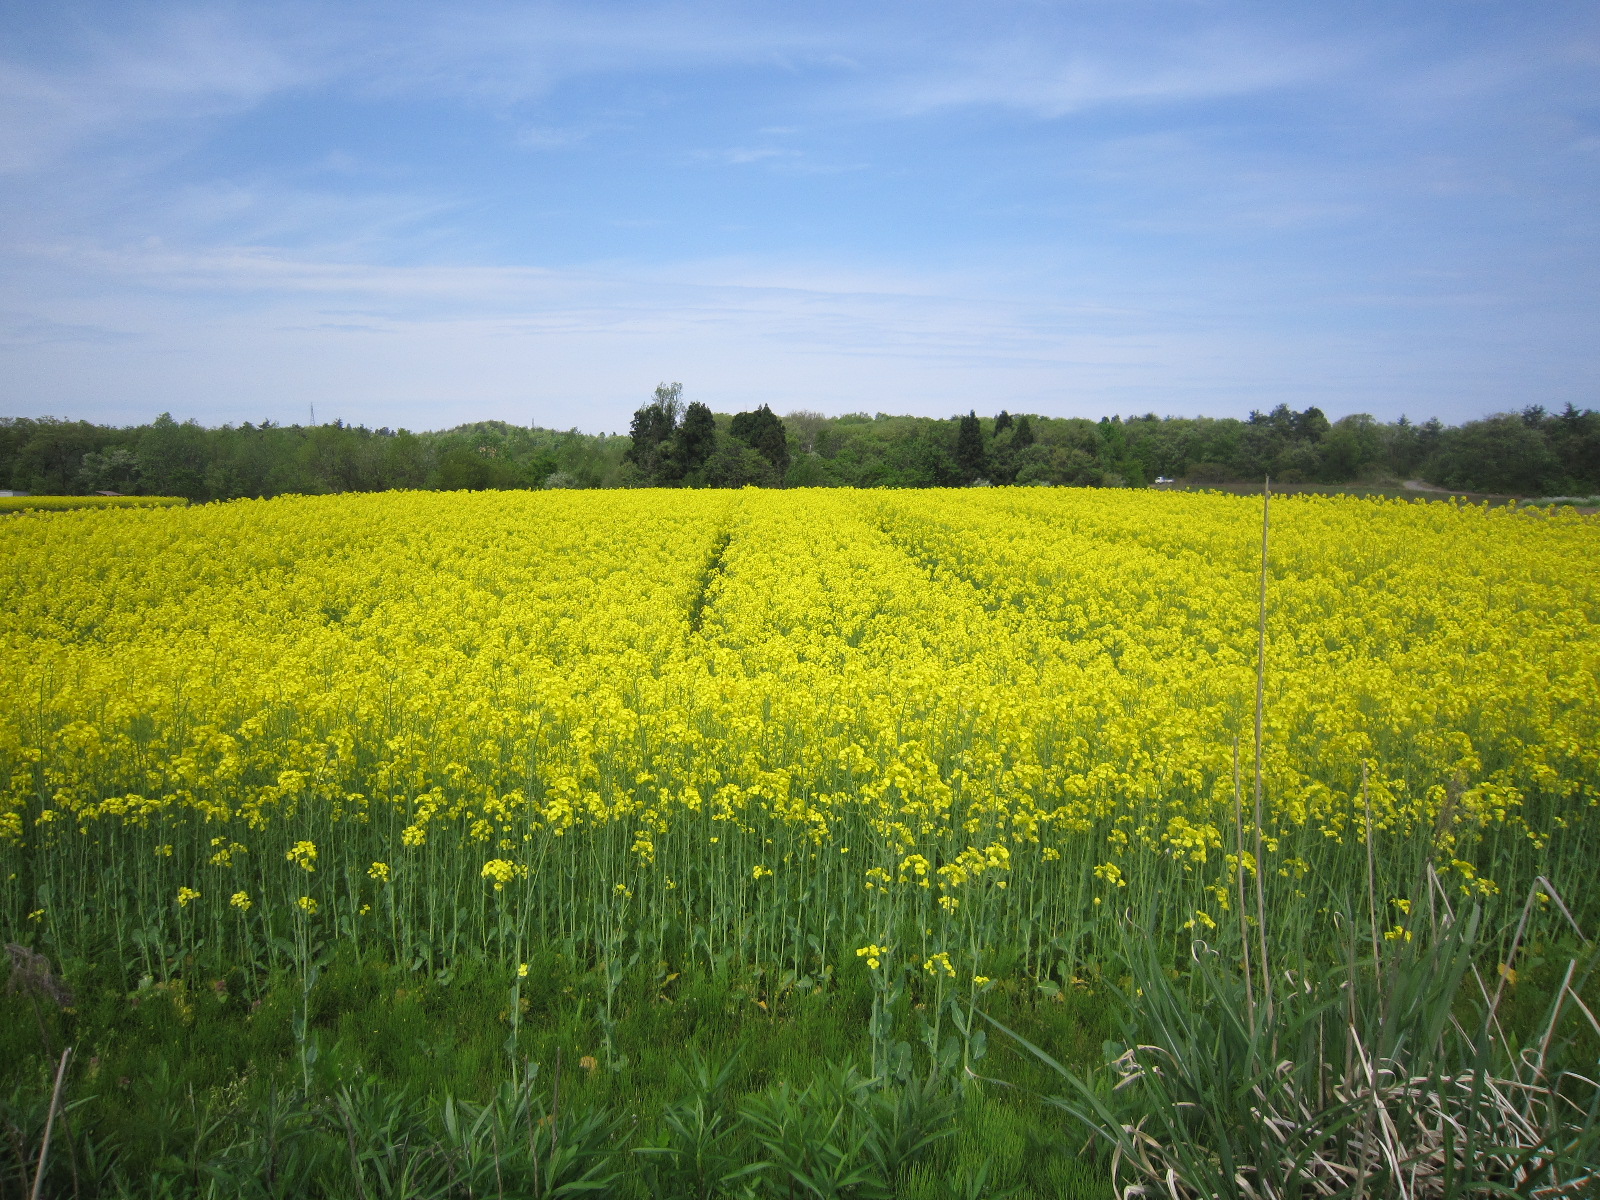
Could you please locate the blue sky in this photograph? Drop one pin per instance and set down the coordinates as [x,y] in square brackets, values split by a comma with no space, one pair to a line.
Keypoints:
[424,214]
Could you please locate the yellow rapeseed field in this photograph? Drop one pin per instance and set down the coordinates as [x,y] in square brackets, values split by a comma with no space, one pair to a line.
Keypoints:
[957,729]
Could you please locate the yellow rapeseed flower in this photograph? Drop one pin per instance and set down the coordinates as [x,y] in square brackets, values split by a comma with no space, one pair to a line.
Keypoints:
[874,954]
[303,855]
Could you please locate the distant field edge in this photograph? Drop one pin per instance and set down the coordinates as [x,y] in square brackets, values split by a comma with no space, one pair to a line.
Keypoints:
[1368,491]
[12,504]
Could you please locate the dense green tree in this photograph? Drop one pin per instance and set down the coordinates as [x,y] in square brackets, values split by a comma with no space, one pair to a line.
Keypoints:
[1502,454]
[405,460]
[922,460]
[651,445]
[1574,438]
[1298,462]
[810,470]
[1007,455]
[173,458]
[972,458]
[763,431]
[1061,466]
[697,436]
[459,469]
[805,428]
[1113,440]
[114,469]
[1402,447]
[47,454]
[1351,447]
[1429,434]
[1281,420]
[734,463]
[1310,426]
[268,460]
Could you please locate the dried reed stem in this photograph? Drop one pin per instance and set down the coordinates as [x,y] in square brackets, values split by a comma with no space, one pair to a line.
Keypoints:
[1372,882]
[1244,921]
[49,1124]
[1261,701]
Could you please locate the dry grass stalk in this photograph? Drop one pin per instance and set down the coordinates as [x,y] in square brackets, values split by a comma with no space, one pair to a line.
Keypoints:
[1399,1125]
[1430,1130]
[1426,1107]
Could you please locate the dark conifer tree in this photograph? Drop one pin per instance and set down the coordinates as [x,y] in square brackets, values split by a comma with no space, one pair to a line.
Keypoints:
[970,456]
[697,436]
[1023,437]
[1002,422]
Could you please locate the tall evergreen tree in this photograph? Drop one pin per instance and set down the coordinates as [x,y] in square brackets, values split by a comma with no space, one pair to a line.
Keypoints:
[1002,422]
[697,436]
[1023,437]
[970,457]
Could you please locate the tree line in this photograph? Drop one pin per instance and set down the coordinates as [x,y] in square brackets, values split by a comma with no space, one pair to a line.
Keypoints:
[674,444]
[171,458]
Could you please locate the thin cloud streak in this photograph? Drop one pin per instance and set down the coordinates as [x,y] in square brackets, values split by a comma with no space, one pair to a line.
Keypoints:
[188,68]
[574,344]
[1057,81]
[1079,208]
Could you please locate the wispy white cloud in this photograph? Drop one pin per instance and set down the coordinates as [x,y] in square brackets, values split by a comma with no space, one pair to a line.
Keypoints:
[547,137]
[181,66]
[195,64]
[1059,75]
[1165,205]
[507,53]
[425,345]
[740,155]
[29,329]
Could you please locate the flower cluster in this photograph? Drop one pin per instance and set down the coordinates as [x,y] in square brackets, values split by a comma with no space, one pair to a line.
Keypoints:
[874,954]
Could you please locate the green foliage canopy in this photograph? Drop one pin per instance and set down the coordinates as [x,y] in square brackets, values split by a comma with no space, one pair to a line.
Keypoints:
[673,444]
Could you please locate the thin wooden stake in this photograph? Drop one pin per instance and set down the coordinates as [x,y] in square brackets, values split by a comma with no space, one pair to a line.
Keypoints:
[555,1107]
[49,1123]
[1372,885]
[1261,702]
[1244,920]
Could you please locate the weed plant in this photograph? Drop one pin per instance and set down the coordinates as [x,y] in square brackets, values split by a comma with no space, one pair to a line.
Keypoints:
[1398,1076]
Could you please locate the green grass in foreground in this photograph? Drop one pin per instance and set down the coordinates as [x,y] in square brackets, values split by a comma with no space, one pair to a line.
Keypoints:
[168,1082]
[363,1079]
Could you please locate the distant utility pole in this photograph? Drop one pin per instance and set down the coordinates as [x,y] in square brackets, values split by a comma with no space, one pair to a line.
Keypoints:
[313,414]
